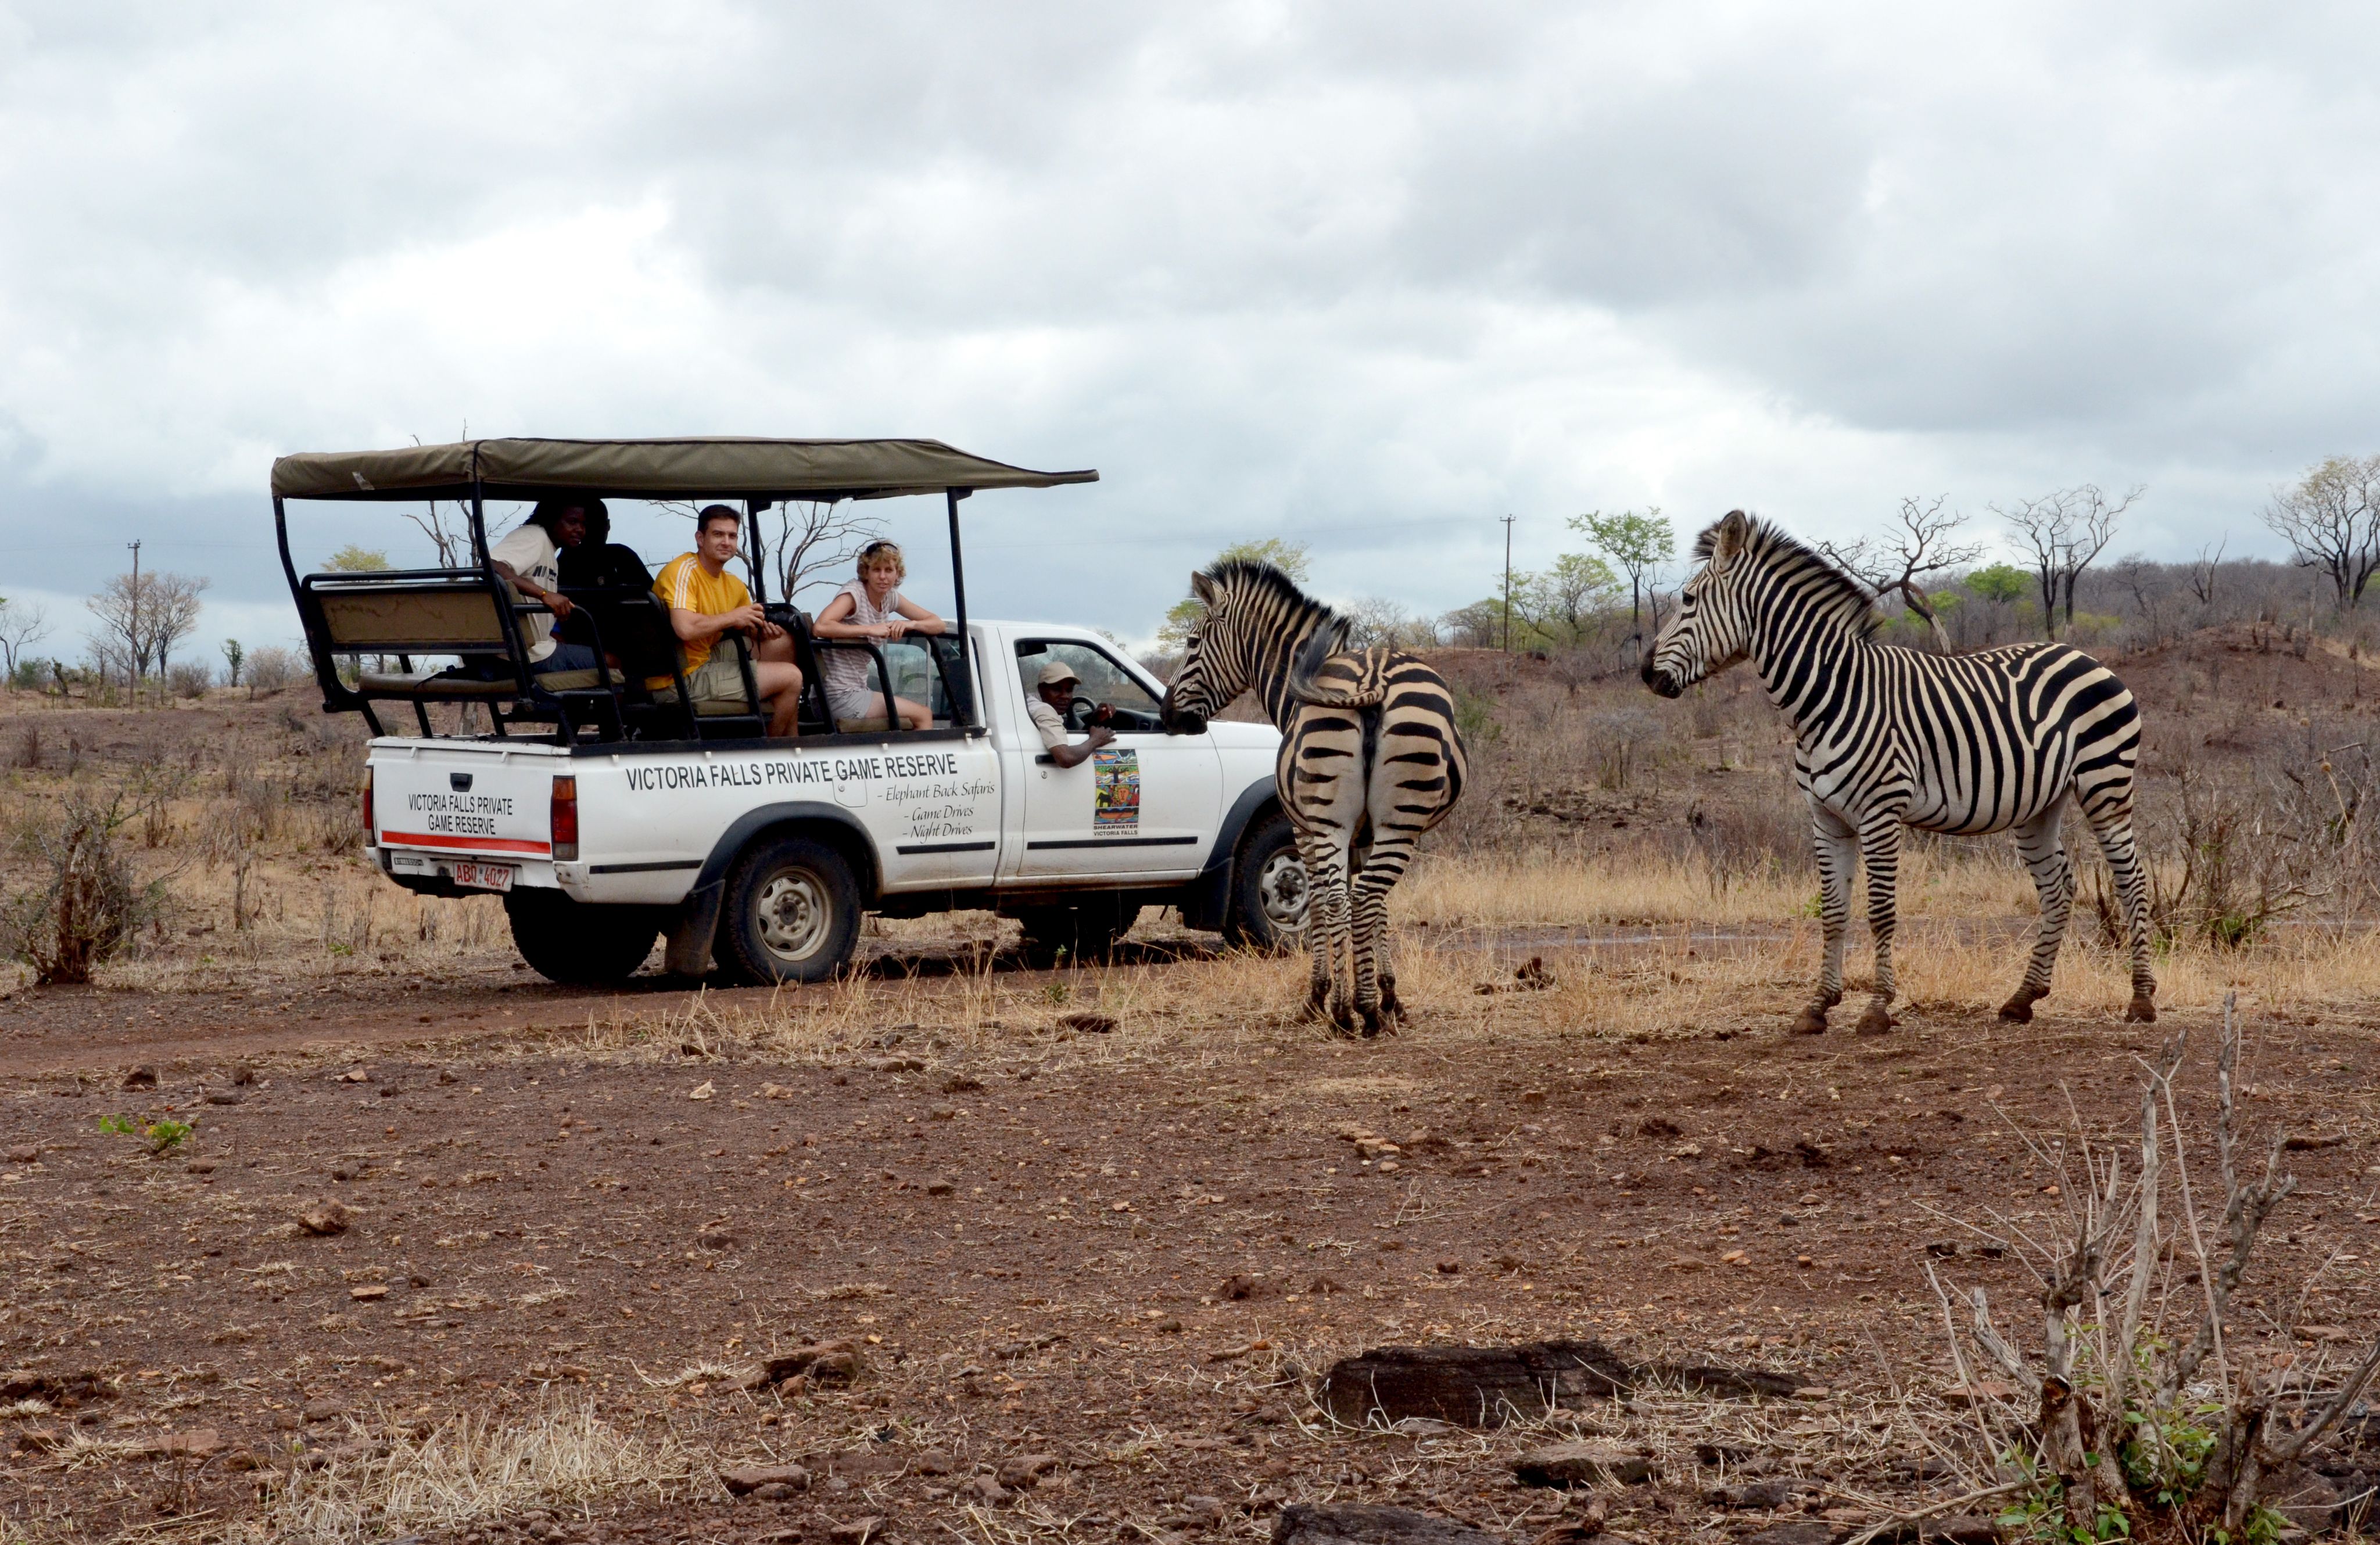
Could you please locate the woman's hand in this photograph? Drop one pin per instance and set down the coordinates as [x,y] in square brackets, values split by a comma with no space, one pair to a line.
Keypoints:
[895,626]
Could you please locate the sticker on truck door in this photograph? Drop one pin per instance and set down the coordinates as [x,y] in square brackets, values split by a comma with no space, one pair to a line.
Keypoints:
[1115,792]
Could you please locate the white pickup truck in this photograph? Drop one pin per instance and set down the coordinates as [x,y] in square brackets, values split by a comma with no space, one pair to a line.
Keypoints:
[635,817]
[764,856]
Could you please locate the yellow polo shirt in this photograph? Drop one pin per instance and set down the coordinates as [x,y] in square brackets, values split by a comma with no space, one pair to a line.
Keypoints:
[682,586]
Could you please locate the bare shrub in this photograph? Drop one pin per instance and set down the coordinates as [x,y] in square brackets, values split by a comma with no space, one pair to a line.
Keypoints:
[271,668]
[2115,1421]
[29,747]
[189,679]
[90,905]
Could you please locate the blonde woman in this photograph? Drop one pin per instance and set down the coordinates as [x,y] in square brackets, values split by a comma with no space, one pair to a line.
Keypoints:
[871,607]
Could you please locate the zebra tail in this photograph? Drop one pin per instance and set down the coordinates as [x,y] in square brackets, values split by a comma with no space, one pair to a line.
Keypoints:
[1349,683]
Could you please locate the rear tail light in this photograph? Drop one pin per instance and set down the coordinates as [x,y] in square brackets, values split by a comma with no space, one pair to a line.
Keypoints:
[565,819]
[372,833]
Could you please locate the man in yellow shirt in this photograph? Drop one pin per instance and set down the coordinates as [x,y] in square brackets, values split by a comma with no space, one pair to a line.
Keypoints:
[706,601]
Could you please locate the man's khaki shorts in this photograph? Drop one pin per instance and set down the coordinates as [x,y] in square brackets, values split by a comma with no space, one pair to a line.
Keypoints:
[717,681]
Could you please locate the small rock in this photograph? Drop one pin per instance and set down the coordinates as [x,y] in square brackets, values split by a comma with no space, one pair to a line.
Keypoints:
[1089,1024]
[1765,1495]
[1450,1268]
[448,1076]
[200,1443]
[346,1172]
[1798,1531]
[1025,1472]
[743,1482]
[943,1113]
[225,1097]
[355,1076]
[1961,1530]
[775,1492]
[323,1217]
[938,1187]
[368,1293]
[1571,1465]
[859,1531]
[715,1239]
[243,1075]
[986,1490]
[200,1166]
[324,1410]
[142,1078]
[1984,1391]
[1237,1286]
[961,1083]
[25,1153]
[703,1090]
[1351,1523]
[932,1461]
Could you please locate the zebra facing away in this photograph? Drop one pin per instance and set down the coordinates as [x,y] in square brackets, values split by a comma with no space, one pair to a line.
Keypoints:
[1369,760]
[2003,739]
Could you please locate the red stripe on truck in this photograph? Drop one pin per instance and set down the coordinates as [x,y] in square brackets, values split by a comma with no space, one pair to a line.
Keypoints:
[477,844]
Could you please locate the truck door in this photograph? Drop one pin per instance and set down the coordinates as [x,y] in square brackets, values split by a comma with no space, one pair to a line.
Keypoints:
[1144,805]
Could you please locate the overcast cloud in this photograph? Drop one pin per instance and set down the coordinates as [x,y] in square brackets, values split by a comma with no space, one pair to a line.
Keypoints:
[1368,275]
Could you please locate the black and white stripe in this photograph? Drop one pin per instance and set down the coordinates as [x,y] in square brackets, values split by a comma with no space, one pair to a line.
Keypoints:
[1369,760]
[1999,740]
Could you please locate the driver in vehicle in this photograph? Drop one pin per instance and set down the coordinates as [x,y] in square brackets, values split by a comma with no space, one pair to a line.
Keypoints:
[706,603]
[1052,701]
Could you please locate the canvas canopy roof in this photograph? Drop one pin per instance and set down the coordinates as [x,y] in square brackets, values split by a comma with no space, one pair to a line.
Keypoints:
[692,467]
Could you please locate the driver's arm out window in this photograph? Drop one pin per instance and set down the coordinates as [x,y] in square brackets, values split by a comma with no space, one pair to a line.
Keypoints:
[1102,679]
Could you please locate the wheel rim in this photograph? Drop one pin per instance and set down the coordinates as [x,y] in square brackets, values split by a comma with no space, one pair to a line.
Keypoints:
[1281,891]
[794,915]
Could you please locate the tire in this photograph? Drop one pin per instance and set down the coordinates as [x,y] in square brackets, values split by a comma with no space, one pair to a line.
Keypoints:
[1269,890]
[792,915]
[1087,930]
[579,944]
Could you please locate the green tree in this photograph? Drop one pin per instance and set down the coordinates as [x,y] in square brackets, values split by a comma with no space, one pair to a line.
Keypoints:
[1999,584]
[352,559]
[1639,545]
[235,655]
[1560,601]
[1290,557]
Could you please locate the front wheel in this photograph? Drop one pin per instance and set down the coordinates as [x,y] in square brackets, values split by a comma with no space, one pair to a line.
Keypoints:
[793,912]
[579,944]
[1269,890]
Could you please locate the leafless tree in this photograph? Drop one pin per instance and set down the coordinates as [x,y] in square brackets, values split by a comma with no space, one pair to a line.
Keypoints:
[2202,571]
[452,541]
[2063,532]
[1923,541]
[22,625]
[2331,520]
[142,621]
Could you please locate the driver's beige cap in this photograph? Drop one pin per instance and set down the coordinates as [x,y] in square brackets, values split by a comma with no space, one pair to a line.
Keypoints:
[1055,673]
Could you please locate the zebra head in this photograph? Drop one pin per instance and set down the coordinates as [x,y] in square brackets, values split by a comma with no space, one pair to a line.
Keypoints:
[1710,629]
[1213,671]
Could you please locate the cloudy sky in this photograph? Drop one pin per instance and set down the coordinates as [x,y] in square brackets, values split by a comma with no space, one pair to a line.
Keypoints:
[1370,275]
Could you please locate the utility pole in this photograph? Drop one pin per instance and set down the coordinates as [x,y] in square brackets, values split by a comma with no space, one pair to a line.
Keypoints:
[134,685]
[1507,584]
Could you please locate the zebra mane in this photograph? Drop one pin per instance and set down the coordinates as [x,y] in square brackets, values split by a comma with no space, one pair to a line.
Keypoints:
[1837,590]
[1243,576]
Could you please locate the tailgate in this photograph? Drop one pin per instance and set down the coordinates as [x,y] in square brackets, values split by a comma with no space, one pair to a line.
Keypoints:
[496,802]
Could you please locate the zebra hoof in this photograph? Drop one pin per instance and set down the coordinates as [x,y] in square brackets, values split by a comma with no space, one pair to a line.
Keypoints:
[1876,1020]
[2018,1010]
[2143,1012]
[1811,1020]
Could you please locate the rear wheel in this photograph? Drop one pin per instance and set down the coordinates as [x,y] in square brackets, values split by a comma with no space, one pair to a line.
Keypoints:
[579,944]
[793,912]
[1269,889]
[1085,931]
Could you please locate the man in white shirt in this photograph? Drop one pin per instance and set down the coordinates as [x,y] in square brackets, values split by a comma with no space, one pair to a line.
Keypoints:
[1053,693]
[531,560]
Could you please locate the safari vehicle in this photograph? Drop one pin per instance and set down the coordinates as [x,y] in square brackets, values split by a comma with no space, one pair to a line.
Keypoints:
[609,813]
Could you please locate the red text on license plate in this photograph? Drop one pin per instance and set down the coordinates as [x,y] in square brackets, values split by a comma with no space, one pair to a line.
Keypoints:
[485,877]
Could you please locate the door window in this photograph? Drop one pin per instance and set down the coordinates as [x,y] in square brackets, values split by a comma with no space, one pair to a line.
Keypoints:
[1104,679]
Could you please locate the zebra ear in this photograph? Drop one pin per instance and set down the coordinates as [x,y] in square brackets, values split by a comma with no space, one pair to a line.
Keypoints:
[1203,586]
[1734,535]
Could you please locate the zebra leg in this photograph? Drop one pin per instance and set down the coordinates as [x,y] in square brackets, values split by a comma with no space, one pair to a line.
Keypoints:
[1383,867]
[1880,850]
[2044,851]
[1327,930]
[1837,853]
[2114,830]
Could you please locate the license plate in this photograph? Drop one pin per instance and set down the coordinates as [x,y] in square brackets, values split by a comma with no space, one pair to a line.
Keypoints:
[485,877]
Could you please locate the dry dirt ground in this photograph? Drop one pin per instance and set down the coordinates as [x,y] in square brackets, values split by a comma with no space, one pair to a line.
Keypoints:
[1118,1255]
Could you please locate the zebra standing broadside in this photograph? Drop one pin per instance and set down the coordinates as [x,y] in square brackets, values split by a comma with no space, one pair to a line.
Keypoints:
[1999,740]
[1369,760]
